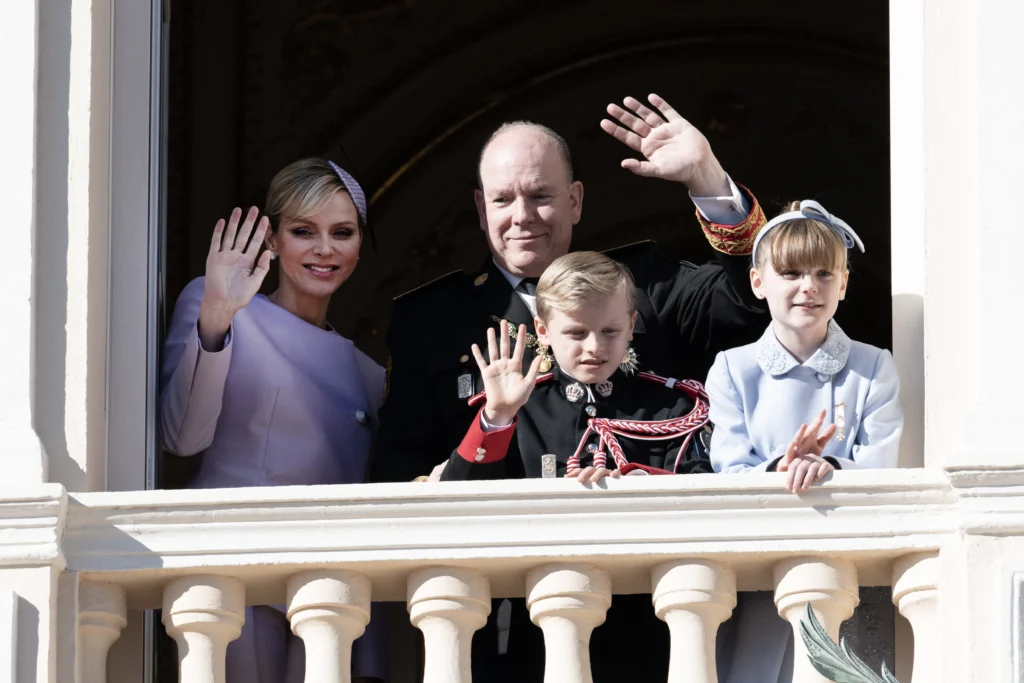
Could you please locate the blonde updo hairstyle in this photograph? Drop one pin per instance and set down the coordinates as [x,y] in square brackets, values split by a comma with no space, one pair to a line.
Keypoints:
[800,244]
[300,189]
[581,277]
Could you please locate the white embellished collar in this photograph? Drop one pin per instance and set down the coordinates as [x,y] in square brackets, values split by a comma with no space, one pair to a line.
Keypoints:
[829,359]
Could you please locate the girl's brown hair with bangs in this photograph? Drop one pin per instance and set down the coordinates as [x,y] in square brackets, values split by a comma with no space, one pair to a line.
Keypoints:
[800,244]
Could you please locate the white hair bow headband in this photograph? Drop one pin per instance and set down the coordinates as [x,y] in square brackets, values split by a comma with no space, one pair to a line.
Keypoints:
[816,212]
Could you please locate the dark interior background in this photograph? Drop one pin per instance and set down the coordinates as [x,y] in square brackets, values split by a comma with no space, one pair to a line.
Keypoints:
[792,95]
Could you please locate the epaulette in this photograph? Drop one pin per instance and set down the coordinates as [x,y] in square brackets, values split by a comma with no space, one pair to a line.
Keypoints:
[428,284]
[476,399]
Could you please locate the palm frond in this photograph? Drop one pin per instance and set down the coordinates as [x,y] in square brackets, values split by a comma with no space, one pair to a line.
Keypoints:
[836,662]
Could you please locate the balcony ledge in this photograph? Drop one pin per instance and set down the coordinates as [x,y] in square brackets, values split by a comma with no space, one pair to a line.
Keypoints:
[139,539]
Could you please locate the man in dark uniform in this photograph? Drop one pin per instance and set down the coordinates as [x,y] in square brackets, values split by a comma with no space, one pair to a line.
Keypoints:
[528,203]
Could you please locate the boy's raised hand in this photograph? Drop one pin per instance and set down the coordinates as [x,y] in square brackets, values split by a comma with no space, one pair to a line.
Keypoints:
[506,386]
[802,462]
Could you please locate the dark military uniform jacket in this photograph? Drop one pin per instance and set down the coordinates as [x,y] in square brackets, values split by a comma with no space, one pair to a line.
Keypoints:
[686,314]
[555,421]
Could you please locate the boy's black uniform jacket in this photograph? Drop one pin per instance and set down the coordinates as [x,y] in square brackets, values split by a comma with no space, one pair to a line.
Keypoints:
[552,423]
[686,314]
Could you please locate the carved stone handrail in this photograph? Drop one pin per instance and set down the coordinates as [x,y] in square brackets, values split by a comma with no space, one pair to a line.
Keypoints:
[503,529]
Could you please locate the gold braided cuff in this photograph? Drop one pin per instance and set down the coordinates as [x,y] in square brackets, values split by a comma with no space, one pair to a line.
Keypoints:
[735,240]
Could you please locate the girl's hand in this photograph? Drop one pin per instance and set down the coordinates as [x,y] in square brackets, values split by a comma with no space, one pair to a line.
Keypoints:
[506,386]
[808,440]
[233,275]
[804,471]
[592,475]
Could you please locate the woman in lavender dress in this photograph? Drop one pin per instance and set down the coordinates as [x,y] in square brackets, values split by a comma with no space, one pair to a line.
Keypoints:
[264,389]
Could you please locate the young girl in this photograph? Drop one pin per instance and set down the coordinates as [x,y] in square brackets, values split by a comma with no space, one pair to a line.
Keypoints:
[804,370]
[579,420]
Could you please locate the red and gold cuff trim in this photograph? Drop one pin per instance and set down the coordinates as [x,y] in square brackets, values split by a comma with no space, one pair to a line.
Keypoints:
[480,447]
[735,240]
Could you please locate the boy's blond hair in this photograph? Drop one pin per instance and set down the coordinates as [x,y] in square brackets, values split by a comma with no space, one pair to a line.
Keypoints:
[581,277]
[800,244]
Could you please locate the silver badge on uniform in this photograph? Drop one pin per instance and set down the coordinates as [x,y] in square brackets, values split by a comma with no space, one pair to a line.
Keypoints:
[465,386]
[548,466]
[574,392]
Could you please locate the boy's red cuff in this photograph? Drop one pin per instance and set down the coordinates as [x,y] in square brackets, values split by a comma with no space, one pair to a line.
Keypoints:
[630,466]
[480,447]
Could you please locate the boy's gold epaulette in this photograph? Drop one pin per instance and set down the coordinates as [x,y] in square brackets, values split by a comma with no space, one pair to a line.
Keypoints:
[422,287]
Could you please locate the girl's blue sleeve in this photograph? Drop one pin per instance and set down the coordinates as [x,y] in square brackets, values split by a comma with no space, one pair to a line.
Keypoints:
[731,447]
[878,439]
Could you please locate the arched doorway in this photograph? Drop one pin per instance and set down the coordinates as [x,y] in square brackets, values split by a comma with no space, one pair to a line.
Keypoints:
[794,101]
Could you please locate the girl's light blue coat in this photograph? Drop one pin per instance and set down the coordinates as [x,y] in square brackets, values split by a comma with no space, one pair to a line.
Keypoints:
[760,395]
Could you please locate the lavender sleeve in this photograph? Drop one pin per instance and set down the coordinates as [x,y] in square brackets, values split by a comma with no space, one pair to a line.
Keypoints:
[192,379]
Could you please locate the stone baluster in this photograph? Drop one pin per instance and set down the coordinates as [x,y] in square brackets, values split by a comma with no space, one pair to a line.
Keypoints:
[830,587]
[328,610]
[102,615]
[693,598]
[448,605]
[915,591]
[203,614]
[568,601]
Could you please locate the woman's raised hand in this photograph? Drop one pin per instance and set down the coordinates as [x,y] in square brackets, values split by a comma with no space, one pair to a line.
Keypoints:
[506,386]
[233,274]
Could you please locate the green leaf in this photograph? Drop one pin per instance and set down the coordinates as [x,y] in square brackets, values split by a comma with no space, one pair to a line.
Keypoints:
[836,662]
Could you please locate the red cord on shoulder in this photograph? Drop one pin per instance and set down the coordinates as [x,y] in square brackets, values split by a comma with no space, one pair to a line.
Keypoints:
[692,387]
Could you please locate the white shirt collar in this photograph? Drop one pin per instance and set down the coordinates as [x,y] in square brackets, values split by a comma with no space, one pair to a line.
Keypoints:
[829,359]
[514,280]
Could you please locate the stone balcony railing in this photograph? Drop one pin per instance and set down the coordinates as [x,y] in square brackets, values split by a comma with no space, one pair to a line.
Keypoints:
[447,548]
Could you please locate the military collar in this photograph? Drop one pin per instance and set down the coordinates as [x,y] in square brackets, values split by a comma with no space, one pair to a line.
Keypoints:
[513,280]
[569,387]
[829,359]
[496,297]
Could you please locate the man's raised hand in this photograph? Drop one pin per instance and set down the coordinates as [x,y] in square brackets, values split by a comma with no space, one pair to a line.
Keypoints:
[674,149]
[506,386]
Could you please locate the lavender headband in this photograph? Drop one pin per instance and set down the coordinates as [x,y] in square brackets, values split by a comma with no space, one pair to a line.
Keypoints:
[354,189]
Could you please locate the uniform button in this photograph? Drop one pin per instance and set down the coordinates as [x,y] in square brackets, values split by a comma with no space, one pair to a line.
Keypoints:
[361,417]
[591,448]
[591,410]
[822,377]
[463,358]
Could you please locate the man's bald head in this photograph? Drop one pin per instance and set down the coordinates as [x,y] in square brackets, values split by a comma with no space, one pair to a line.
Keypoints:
[527,201]
[520,126]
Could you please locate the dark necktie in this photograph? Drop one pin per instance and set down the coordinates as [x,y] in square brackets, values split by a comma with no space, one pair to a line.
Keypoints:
[528,285]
